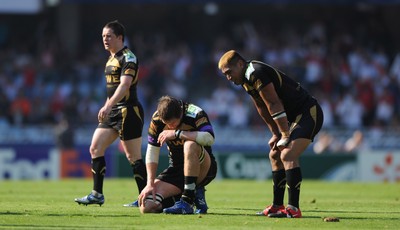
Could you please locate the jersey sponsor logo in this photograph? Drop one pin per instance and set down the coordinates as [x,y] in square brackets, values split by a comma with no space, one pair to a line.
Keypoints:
[130,57]
[193,110]
[178,142]
[112,79]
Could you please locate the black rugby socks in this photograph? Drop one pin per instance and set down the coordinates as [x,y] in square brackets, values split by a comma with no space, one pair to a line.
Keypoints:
[279,180]
[294,178]
[188,194]
[99,171]
[140,174]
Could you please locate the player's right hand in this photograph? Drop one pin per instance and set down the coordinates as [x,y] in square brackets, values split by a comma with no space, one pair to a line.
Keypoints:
[148,190]
[283,143]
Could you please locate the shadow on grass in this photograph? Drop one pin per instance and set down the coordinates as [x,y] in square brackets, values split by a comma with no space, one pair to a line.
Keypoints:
[350,211]
[29,226]
[323,213]
[64,215]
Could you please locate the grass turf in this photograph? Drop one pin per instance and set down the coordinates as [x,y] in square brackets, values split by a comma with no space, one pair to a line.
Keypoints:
[232,203]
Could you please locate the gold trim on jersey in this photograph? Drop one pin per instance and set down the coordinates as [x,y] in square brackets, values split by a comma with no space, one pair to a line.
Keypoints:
[129,72]
[202,154]
[113,62]
[124,113]
[294,124]
[247,87]
[136,77]
[313,113]
[136,109]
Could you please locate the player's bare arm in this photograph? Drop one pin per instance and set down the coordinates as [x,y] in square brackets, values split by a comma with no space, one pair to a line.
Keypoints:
[266,116]
[121,90]
[202,138]
[120,93]
[277,111]
[152,158]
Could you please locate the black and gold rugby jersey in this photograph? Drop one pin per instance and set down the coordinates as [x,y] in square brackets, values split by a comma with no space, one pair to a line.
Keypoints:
[124,62]
[294,97]
[194,119]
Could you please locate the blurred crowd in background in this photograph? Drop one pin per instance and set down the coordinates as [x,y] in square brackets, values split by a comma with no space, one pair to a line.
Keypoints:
[350,68]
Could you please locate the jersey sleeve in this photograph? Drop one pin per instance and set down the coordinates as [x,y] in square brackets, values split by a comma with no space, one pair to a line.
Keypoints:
[153,131]
[259,76]
[130,69]
[203,123]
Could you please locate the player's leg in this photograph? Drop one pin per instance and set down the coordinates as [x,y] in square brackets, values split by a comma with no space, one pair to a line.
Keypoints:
[102,138]
[290,158]
[132,149]
[208,172]
[279,184]
[130,126]
[303,131]
[197,162]
[196,168]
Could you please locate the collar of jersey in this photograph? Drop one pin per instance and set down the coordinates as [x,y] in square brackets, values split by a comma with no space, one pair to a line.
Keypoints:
[250,69]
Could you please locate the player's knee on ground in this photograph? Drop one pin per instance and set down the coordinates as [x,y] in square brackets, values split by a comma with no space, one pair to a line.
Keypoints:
[149,206]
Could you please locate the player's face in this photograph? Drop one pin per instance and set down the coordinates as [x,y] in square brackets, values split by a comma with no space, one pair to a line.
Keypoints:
[111,42]
[233,73]
[173,123]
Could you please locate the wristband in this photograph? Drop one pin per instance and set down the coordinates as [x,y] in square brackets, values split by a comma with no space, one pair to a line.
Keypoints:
[283,142]
[278,115]
[178,133]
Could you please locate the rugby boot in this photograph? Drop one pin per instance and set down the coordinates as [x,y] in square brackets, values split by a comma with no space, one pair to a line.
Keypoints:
[90,199]
[180,207]
[289,212]
[200,201]
[134,204]
[271,209]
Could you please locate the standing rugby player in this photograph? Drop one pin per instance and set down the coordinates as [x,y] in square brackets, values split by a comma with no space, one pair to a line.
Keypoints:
[292,115]
[121,116]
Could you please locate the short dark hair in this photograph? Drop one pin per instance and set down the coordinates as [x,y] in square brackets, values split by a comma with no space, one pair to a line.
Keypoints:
[169,108]
[229,58]
[117,27]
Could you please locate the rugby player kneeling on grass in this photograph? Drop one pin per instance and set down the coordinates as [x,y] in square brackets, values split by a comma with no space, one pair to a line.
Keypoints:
[186,130]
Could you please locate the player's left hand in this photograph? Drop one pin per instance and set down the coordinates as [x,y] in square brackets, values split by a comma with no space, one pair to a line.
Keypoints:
[273,141]
[165,136]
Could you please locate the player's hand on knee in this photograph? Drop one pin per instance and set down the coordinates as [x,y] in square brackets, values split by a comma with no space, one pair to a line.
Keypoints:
[283,143]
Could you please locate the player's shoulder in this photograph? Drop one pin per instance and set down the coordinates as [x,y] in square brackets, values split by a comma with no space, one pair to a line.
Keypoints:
[155,116]
[261,66]
[128,55]
[193,111]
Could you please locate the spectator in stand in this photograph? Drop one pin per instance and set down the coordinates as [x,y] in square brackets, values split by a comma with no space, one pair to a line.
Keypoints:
[349,112]
[20,109]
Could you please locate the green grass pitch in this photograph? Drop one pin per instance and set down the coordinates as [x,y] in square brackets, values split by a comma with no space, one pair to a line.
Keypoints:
[232,203]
